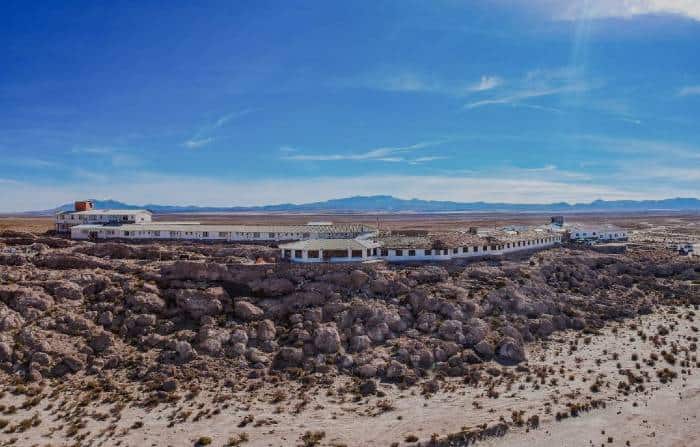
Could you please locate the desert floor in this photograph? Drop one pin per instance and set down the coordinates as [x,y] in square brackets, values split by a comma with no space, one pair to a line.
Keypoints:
[560,377]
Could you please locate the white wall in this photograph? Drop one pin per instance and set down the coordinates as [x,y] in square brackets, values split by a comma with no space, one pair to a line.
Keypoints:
[426,255]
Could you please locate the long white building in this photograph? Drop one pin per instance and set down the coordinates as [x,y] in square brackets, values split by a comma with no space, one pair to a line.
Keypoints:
[234,233]
[407,249]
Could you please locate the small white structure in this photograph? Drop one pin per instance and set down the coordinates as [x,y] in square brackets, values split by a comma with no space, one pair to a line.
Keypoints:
[689,249]
[597,233]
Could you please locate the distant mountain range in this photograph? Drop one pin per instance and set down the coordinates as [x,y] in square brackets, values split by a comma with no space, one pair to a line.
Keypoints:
[390,204]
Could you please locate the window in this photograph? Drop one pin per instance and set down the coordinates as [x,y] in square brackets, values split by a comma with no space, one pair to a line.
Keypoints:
[297,253]
[399,252]
[156,233]
[411,252]
[287,253]
[455,250]
[356,253]
[313,254]
[126,233]
[485,248]
[476,249]
[271,235]
[223,234]
[385,252]
[205,234]
[256,235]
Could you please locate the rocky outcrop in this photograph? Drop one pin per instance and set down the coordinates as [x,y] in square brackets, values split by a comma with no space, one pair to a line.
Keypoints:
[198,303]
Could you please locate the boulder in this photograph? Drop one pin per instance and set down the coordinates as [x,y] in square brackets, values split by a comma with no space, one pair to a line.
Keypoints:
[101,341]
[395,370]
[327,339]
[9,319]
[198,303]
[288,357]
[184,350]
[5,352]
[66,261]
[68,290]
[146,302]
[272,287]
[429,274]
[510,351]
[196,271]
[265,330]
[360,343]
[247,311]
[358,279]
[484,349]
[451,330]
[367,370]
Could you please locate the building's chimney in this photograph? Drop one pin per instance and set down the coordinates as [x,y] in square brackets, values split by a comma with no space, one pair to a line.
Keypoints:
[83,205]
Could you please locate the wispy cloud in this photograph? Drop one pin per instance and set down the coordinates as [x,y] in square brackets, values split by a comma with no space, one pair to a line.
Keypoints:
[416,82]
[32,162]
[689,90]
[203,136]
[536,84]
[647,147]
[396,154]
[571,10]
[116,157]
[486,83]
[194,144]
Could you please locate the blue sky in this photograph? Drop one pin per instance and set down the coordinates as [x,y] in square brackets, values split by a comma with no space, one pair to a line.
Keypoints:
[252,102]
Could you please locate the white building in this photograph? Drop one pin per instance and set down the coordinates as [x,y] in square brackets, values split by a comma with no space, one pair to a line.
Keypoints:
[597,233]
[68,219]
[232,233]
[407,249]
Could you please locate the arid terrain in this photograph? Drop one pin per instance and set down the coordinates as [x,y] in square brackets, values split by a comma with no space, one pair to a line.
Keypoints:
[187,344]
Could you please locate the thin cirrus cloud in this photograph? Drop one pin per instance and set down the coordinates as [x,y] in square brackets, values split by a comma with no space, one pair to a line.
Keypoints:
[116,157]
[194,144]
[572,10]
[486,83]
[537,84]
[203,136]
[689,90]
[414,82]
[396,154]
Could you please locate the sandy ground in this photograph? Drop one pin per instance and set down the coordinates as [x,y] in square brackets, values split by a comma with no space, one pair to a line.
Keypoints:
[559,375]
